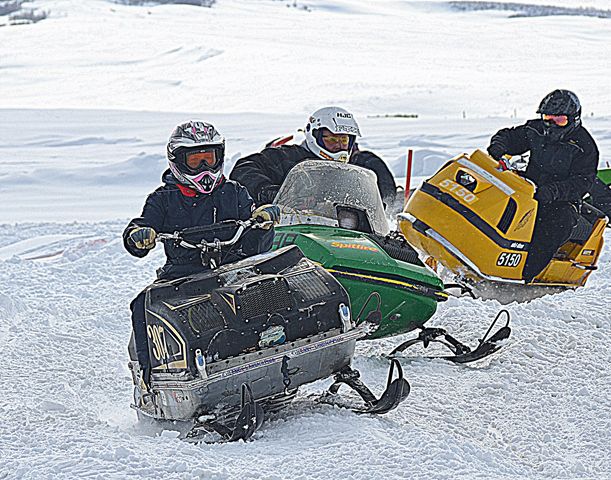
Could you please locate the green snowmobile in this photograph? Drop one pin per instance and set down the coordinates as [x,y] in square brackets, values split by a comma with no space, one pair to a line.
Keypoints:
[334,213]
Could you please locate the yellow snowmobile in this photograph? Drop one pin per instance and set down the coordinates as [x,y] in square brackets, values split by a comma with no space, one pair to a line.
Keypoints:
[477,221]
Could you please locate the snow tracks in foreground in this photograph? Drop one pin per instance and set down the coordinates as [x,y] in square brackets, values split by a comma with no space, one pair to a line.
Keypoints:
[539,408]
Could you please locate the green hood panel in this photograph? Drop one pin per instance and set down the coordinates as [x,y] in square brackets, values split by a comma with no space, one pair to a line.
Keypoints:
[347,250]
[408,293]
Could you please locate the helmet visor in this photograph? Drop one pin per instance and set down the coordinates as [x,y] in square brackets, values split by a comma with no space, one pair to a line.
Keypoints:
[560,120]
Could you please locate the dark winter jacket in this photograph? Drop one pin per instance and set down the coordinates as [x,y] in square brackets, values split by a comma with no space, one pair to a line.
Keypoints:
[168,209]
[565,168]
[263,173]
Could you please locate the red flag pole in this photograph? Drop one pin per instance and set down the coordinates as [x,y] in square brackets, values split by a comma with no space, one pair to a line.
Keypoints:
[408,176]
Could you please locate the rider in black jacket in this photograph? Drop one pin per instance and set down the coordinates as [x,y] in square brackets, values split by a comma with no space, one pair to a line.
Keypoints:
[195,193]
[563,162]
[174,206]
[330,135]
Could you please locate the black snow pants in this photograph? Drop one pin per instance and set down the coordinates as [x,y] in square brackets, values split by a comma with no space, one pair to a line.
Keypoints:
[140,339]
[553,227]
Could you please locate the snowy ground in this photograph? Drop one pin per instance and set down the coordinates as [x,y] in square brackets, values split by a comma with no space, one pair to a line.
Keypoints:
[82,130]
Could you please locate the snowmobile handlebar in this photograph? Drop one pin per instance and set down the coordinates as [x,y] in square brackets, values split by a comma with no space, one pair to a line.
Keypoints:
[216,244]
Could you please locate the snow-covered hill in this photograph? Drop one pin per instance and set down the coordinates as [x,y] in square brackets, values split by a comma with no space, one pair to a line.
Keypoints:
[89,96]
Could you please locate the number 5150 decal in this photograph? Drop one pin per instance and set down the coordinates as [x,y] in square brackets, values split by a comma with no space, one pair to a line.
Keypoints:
[507,259]
[458,190]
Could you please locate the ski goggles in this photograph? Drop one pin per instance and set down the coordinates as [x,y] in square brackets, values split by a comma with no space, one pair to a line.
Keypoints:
[341,139]
[204,160]
[560,120]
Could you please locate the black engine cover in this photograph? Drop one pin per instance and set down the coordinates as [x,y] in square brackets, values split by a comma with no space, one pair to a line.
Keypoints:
[253,304]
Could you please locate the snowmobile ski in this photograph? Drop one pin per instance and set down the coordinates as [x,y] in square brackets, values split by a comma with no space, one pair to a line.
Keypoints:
[250,418]
[461,352]
[248,421]
[396,391]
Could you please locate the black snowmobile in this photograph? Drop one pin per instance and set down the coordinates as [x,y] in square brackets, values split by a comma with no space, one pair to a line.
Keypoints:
[237,339]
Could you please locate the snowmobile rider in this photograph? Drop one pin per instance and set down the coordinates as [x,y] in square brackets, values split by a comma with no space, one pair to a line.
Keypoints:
[330,134]
[562,164]
[194,193]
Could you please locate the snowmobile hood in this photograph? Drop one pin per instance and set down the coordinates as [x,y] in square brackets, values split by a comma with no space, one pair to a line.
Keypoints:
[346,250]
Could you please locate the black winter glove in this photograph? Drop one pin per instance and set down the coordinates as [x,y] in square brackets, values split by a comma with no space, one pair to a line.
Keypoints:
[268,193]
[545,193]
[143,238]
[496,151]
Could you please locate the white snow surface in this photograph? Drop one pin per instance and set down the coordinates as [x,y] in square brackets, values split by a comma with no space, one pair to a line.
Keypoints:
[89,97]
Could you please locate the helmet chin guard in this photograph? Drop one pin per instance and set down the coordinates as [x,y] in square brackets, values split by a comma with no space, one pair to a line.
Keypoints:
[204,182]
[337,121]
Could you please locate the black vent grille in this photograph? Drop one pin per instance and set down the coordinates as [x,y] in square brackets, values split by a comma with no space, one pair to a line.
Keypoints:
[202,317]
[508,216]
[310,285]
[264,297]
[397,247]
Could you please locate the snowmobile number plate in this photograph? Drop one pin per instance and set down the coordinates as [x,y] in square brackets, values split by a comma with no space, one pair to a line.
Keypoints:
[507,259]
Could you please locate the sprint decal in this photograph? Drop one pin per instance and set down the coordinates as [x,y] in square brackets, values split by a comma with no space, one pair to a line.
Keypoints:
[355,246]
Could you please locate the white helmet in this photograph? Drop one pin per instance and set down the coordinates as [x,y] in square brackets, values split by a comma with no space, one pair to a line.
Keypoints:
[337,121]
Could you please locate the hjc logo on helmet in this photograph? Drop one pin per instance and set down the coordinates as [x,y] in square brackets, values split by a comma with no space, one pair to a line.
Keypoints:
[344,115]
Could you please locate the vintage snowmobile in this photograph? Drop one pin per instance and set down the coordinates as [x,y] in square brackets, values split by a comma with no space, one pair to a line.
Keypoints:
[237,339]
[477,221]
[334,213]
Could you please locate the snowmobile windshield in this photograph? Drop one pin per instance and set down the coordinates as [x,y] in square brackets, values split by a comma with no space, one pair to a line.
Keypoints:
[315,191]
